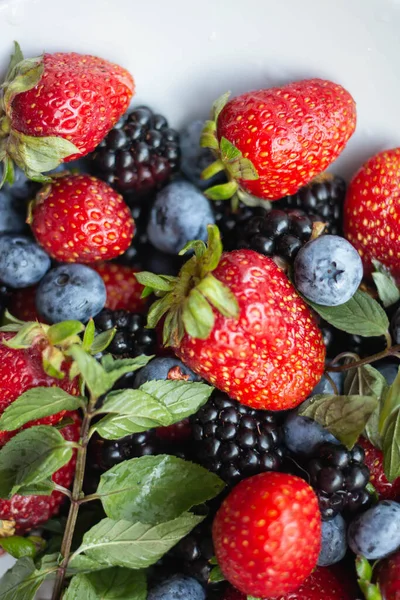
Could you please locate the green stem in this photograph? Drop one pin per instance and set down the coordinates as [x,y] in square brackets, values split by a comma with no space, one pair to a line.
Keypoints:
[216,167]
[391,351]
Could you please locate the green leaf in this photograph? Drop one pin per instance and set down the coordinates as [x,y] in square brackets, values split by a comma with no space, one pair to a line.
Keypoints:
[37,403]
[8,174]
[88,336]
[220,296]
[92,371]
[23,580]
[31,457]
[15,58]
[223,191]
[210,261]
[244,169]
[153,489]
[42,488]
[344,416]
[83,564]
[219,105]
[158,309]
[24,76]
[39,154]
[181,398]
[102,341]
[390,404]
[229,152]
[61,332]
[134,545]
[156,282]
[197,315]
[110,584]
[253,598]
[216,575]
[26,335]
[361,315]
[391,446]
[388,291]
[18,546]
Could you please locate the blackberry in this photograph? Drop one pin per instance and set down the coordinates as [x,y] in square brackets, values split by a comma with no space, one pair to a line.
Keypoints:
[322,199]
[131,338]
[139,155]
[337,341]
[339,477]
[279,233]
[230,222]
[236,441]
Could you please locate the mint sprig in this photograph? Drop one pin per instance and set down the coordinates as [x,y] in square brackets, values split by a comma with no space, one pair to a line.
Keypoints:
[110,584]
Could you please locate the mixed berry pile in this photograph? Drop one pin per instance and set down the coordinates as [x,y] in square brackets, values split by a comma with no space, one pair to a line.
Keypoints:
[199,388]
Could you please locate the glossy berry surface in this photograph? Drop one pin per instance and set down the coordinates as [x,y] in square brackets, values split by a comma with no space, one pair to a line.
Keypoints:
[131,337]
[22,262]
[333,541]
[122,288]
[11,220]
[70,292]
[328,270]
[178,587]
[376,533]
[231,221]
[78,218]
[161,368]
[236,441]
[139,155]
[389,577]
[374,461]
[303,435]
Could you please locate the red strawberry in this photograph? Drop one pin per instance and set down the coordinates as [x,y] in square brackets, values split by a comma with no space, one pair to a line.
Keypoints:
[22,304]
[22,370]
[389,577]
[123,289]
[79,218]
[240,324]
[374,462]
[31,511]
[267,534]
[321,585]
[282,137]
[371,211]
[64,104]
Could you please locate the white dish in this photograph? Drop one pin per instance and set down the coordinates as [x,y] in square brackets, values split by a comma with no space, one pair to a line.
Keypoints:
[184,54]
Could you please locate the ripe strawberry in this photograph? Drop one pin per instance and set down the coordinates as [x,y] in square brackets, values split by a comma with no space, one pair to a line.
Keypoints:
[31,511]
[123,289]
[322,584]
[79,218]
[22,370]
[22,304]
[374,462]
[61,109]
[237,321]
[267,534]
[389,577]
[282,137]
[371,211]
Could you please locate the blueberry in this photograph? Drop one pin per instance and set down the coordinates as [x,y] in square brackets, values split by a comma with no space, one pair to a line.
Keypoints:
[70,292]
[194,158]
[159,368]
[11,220]
[178,587]
[389,370]
[22,261]
[328,270]
[333,541]
[303,435]
[179,214]
[376,532]
[324,386]
[21,188]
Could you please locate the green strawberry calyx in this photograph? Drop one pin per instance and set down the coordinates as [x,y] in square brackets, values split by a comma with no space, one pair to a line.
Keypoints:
[188,301]
[229,159]
[33,154]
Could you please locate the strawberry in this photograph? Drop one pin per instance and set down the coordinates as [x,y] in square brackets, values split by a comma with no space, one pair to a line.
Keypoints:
[22,370]
[123,290]
[374,462]
[58,107]
[273,141]
[267,534]
[389,577]
[322,584]
[237,321]
[22,304]
[79,218]
[371,211]
[27,512]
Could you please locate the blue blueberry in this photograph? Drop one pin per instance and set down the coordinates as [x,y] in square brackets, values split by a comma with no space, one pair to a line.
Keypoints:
[11,220]
[159,368]
[179,214]
[194,158]
[73,292]
[22,187]
[389,370]
[333,542]
[302,435]
[178,587]
[22,261]
[324,386]
[328,270]
[376,533]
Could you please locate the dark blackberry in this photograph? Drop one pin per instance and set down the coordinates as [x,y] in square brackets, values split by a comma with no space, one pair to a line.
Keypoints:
[337,341]
[236,441]
[279,233]
[139,155]
[339,477]
[131,338]
[322,199]
[230,222]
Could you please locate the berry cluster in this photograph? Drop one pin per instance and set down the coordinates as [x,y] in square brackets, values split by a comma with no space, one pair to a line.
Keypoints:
[131,337]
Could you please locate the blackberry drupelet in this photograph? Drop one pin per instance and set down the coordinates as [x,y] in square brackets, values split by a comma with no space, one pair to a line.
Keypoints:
[236,441]
[131,338]
[230,222]
[139,155]
[322,199]
[279,233]
[339,477]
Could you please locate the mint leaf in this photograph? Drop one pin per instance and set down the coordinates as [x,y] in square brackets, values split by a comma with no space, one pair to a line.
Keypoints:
[18,547]
[66,330]
[134,545]
[102,341]
[83,564]
[145,489]
[361,315]
[388,291]
[37,403]
[23,580]
[31,457]
[88,336]
[344,416]
[391,446]
[110,584]
[391,403]
[216,575]
[181,398]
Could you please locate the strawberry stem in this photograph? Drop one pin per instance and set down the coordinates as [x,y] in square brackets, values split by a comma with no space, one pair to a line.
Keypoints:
[390,351]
